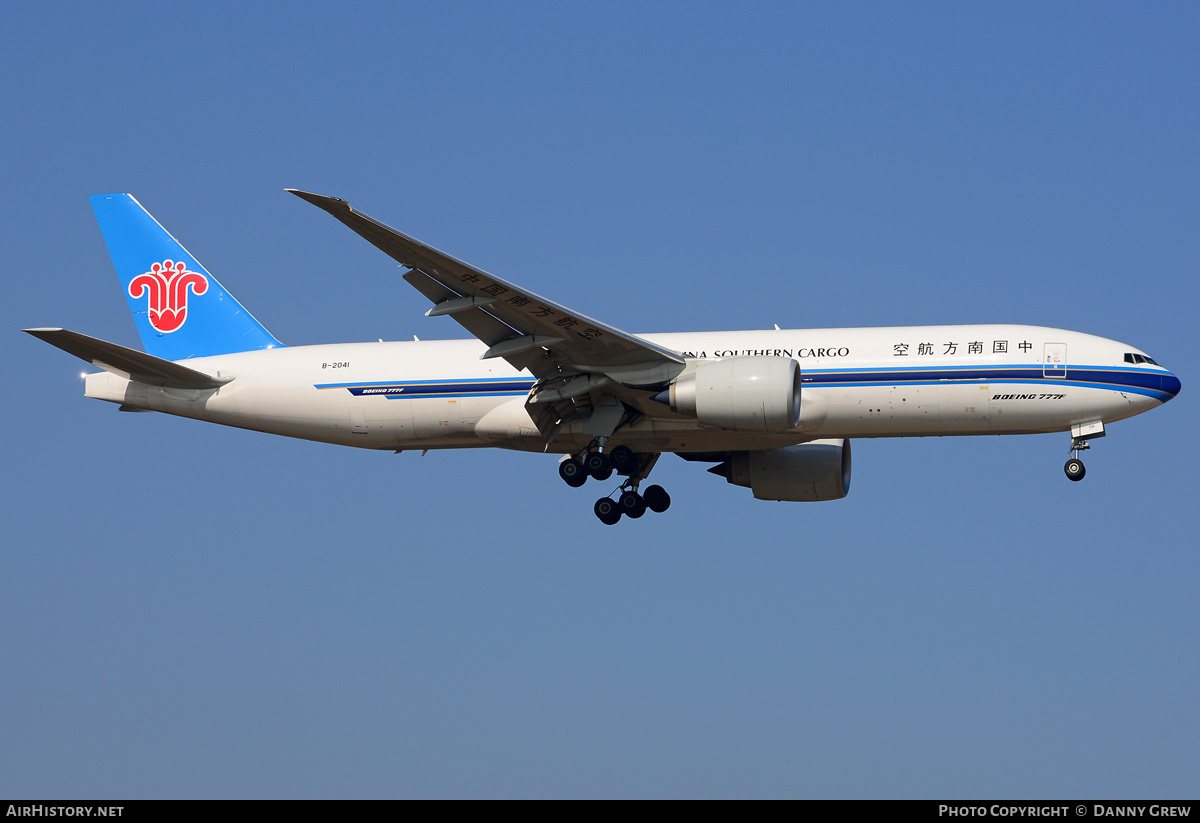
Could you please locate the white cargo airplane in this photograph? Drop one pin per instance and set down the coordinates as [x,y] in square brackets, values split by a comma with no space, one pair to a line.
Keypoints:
[775,410]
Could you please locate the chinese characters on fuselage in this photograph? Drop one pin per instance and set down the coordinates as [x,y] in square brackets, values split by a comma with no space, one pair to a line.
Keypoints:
[952,348]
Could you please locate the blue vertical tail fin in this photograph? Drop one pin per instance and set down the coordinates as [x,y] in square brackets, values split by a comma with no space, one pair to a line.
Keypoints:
[180,309]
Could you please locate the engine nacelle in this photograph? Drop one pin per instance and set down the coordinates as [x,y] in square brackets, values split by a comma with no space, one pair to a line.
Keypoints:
[819,470]
[759,394]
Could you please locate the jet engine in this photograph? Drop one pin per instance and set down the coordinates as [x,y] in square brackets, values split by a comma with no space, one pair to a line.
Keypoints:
[818,470]
[760,394]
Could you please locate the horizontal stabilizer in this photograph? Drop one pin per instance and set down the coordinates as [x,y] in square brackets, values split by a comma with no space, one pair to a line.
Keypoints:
[128,363]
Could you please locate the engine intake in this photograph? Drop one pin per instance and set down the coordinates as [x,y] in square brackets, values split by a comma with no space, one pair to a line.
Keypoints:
[759,394]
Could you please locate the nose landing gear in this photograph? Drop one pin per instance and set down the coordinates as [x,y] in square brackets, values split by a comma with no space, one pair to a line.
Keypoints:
[1081,433]
[1075,469]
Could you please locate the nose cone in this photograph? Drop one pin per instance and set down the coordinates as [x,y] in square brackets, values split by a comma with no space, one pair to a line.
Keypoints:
[1171,385]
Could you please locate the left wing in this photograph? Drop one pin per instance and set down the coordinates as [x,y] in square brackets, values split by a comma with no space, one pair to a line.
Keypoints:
[571,354]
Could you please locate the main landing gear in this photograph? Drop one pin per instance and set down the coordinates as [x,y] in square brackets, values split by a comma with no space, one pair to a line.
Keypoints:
[599,465]
[631,504]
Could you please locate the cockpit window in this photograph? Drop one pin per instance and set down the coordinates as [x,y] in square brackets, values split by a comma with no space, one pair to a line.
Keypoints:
[1138,359]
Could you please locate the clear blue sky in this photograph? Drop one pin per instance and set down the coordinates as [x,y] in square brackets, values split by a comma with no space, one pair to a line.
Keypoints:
[191,611]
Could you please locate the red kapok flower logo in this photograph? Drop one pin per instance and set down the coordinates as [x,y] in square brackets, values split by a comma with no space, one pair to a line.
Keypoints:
[167,284]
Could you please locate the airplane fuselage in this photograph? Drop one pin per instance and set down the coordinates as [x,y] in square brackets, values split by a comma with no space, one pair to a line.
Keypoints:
[775,410]
[857,382]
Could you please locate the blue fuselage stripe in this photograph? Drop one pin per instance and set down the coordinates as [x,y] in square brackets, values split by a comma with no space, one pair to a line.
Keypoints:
[513,387]
[1148,383]
[1135,381]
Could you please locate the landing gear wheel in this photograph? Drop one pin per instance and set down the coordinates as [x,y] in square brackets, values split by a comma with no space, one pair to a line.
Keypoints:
[602,476]
[629,502]
[596,464]
[607,511]
[657,499]
[572,473]
[636,513]
[1074,469]
[623,459]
